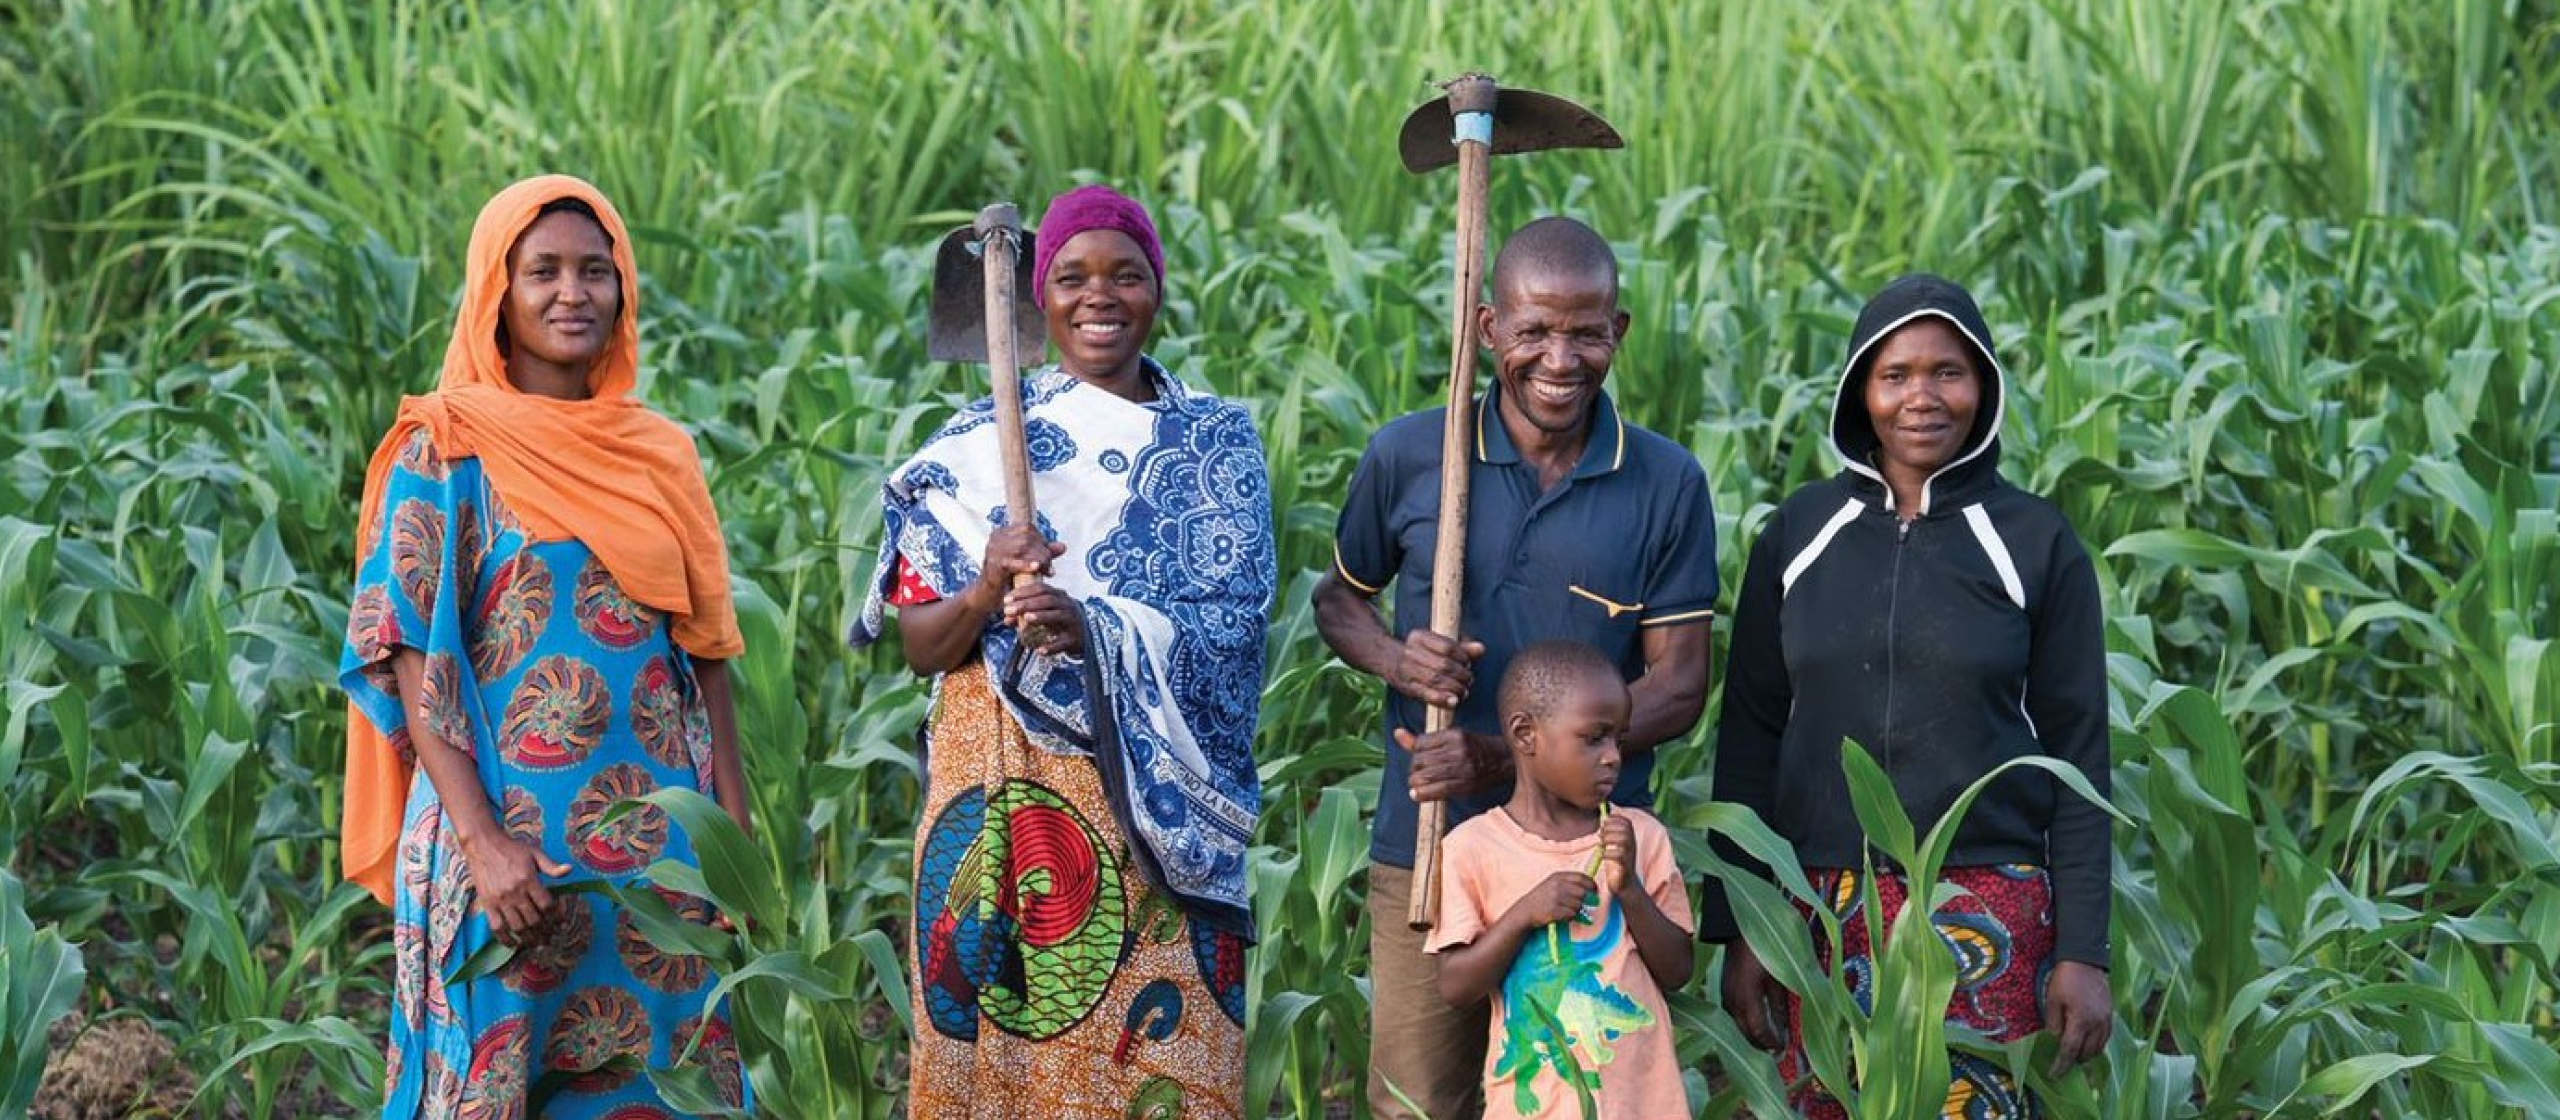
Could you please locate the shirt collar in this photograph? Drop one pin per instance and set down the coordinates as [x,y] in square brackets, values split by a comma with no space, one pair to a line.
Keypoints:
[1605,453]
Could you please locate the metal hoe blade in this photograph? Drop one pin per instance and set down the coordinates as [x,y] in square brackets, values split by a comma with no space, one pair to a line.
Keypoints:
[956,324]
[1524,120]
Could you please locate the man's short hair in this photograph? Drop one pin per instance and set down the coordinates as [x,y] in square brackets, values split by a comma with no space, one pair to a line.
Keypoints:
[1556,247]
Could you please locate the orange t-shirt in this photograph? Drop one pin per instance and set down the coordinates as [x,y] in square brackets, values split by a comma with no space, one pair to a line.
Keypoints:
[1588,978]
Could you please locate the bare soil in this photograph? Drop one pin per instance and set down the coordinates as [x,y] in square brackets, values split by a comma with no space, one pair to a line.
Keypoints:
[111,1070]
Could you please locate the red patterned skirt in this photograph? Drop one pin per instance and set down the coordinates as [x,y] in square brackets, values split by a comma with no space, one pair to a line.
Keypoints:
[2002,936]
[1051,981]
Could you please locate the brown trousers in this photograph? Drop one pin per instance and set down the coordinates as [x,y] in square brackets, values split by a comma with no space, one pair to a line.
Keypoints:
[1430,1051]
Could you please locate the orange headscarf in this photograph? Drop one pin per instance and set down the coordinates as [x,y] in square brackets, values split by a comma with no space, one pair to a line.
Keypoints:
[605,471]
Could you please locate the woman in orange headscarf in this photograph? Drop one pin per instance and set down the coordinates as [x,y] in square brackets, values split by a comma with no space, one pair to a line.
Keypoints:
[542,623]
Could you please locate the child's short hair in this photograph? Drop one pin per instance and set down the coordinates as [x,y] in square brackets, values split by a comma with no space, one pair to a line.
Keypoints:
[1540,674]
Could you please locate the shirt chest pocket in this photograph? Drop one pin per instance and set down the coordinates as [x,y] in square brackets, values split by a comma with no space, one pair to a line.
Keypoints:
[1615,609]
[1604,615]
[1604,581]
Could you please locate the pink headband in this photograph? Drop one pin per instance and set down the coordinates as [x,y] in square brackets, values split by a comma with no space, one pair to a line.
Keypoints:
[1091,208]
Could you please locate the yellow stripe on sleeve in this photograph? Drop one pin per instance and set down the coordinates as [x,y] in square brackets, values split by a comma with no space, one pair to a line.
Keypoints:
[1707,615]
[1346,575]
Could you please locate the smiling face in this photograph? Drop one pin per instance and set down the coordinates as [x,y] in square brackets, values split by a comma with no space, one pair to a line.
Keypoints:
[1100,300]
[1922,393]
[564,295]
[1571,747]
[1553,333]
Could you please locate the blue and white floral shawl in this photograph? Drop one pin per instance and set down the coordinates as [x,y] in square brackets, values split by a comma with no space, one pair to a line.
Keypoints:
[1165,510]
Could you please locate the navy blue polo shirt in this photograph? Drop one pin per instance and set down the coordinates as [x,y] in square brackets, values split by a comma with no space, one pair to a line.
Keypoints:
[1627,541]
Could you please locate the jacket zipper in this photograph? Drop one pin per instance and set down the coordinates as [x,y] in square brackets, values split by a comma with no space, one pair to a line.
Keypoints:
[1892,636]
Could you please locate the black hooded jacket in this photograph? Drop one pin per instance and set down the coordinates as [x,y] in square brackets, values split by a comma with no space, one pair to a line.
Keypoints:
[1945,645]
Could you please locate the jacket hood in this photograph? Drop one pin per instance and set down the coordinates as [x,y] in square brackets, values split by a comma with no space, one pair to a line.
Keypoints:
[1916,296]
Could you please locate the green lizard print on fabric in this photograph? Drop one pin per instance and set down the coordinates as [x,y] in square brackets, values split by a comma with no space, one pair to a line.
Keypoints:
[1562,975]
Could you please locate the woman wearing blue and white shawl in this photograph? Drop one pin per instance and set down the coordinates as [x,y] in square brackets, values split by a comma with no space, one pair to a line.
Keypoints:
[1080,898]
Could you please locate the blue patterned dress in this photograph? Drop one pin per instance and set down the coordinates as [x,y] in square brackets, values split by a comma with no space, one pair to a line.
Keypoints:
[571,697]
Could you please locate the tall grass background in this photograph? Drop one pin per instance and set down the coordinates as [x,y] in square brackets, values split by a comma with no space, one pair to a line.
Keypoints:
[2279,281]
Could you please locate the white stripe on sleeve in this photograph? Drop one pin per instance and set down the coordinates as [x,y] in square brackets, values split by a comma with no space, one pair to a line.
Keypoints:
[1812,552]
[1992,546]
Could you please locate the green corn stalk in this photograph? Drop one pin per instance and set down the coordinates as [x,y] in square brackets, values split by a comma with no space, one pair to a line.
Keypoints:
[40,981]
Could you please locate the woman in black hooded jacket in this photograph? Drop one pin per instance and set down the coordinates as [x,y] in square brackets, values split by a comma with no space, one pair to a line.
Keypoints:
[1947,621]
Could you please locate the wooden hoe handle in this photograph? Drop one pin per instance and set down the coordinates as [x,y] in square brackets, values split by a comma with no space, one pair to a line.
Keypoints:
[1471,101]
[999,232]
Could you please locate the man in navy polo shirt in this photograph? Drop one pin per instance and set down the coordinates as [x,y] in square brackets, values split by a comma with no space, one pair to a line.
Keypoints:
[1580,526]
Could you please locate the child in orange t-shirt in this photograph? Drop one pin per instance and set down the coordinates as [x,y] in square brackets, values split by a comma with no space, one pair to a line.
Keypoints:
[1576,968]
